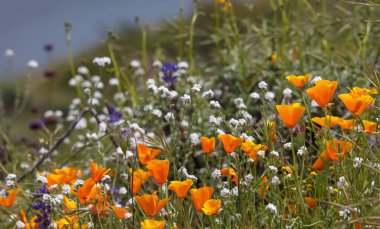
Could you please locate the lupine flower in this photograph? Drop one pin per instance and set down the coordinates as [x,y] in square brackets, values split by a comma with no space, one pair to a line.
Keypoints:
[230,143]
[328,121]
[159,170]
[290,114]
[356,103]
[369,126]
[311,202]
[181,187]
[298,81]
[252,149]
[97,173]
[119,212]
[231,174]
[113,114]
[9,200]
[146,153]
[208,144]
[139,176]
[211,206]
[152,224]
[150,204]
[200,196]
[323,92]
[169,70]
[346,124]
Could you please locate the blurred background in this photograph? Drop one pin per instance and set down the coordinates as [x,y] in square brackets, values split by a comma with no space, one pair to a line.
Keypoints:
[28,26]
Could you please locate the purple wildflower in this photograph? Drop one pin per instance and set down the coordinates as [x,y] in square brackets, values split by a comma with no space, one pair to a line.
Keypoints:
[168,69]
[113,114]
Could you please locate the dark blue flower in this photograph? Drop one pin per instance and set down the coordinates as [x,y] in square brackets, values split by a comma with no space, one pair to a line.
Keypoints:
[373,141]
[168,69]
[37,124]
[113,114]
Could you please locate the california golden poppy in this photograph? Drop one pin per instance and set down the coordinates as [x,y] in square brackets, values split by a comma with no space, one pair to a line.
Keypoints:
[252,149]
[83,192]
[28,225]
[159,169]
[69,204]
[230,143]
[338,147]
[200,196]
[231,174]
[208,144]
[150,204]
[323,92]
[319,164]
[346,124]
[60,176]
[152,224]
[146,153]
[97,173]
[211,206]
[70,222]
[363,91]
[356,103]
[119,212]
[311,202]
[181,187]
[290,114]
[10,199]
[369,126]
[138,177]
[263,186]
[328,121]
[298,81]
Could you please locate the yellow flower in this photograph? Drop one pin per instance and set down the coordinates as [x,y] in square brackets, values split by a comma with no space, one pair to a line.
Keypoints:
[211,207]
[298,81]
[290,114]
[369,126]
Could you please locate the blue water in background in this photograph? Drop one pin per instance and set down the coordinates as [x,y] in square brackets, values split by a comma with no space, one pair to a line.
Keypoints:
[27,25]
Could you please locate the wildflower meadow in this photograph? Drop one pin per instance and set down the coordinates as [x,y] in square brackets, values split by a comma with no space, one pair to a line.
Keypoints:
[243,114]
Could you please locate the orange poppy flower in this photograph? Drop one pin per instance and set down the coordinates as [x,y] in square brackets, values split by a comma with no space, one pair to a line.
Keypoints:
[311,202]
[328,120]
[10,199]
[319,164]
[200,196]
[230,143]
[231,174]
[208,144]
[338,146]
[119,212]
[356,103]
[28,225]
[146,153]
[362,91]
[211,206]
[181,187]
[159,170]
[139,176]
[323,92]
[290,114]
[97,173]
[369,126]
[251,148]
[264,183]
[84,191]
[150,204]
[61,176]
[70,222]
[346,124]
[152,224]
[298,81]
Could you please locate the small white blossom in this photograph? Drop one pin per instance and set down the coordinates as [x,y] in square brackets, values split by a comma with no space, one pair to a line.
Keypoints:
[196,88]
[345,214]
[10,183]
[169,116]
[135,63]
[157,113]
[342,183]
[184,124]
[20,225]
[186,99]
[208,94]
[11,176]
[273,169]
[66,189]
[224,192]
[101,61]
[261,153]
[358,162]
[271,208]
[9,53]
[123,191]
[215,104]
[315,79]
[157,64]
[287,92]
[269,96]
[41,179]
[128,215]
[275,181]
[195,139]
[288,146]
[183,64]
[254,96]
[301,151]
[173,94]
[83,70]
[216,174]
[32,64]
[113,82]
[274,153]
[215,120]
[235,191]
[263,85]
[248,178]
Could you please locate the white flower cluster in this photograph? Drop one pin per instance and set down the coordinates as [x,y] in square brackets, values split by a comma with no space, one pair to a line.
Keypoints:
[301,151]
[271,208]
[101,61]
[10,180]
[358,162]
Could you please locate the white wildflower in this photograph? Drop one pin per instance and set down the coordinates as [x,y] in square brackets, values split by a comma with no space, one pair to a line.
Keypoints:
[269,96]
[66,189]
[20,225]
[113,82]
[9,53]
[254,96]
[215,104]
[274,153]
[216,174]
[301,151]
[101,61]
[11,176]
[315,79]
[261,153]
[208,94]
[248,178]
[169,116]
[273,169]
[358,162]
[287,92]
[183,64]
[288,145]
[32,64]
[195,139]
[186,99]
[275,181]
[83,70]
[196,88]
[157,64]
[271,208]
[135,63]
[263,85]
[157,113]
[41,179]
[224,192]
